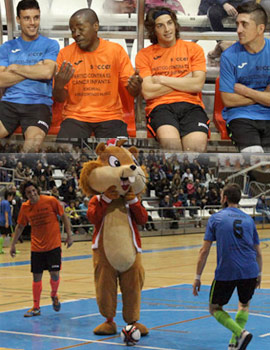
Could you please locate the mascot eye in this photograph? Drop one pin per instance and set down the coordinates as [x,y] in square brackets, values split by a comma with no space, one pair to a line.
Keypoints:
[135,160]
[114,162]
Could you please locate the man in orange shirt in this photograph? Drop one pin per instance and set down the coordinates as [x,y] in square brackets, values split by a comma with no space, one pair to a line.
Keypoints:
[91,71]
[42,213]
[173,74]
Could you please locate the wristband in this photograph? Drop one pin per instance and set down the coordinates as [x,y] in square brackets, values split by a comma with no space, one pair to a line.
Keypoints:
[198,277]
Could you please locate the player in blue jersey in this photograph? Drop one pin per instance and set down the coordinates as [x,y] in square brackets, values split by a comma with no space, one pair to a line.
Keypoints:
[239,264]
[245,81]
[27,66]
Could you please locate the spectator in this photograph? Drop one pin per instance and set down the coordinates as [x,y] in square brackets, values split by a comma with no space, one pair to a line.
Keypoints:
[187,174]
[69,194]
[3,173]
[244,81]
[55,192]
[5,218]
[19,171]
[262,207]
[174,109]
[169,213]
[204,6]
[43,183]
[72,214]
[93,104]
[27,79]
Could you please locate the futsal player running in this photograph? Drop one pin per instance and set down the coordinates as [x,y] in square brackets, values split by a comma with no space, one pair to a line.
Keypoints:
[239,264]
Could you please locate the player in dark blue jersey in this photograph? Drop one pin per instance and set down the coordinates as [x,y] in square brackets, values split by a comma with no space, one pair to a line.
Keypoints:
[27,66]
[239,264]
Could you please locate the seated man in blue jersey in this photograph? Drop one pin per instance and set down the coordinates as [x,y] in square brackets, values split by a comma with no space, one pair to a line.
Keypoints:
[239,264]
[27,65]
[245,79]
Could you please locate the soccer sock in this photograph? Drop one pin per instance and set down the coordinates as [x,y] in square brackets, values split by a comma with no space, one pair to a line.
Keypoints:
[37,288]
[225,319]
[241,319]
[1,243]
[54,285]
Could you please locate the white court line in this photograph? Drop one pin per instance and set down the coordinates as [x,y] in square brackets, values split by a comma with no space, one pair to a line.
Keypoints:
[82,340]
[264,335]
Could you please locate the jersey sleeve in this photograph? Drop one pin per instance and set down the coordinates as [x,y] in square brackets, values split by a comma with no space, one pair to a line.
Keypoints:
[4,61]
[227,76]
[57,206]
[51,51]
[210,234]
[256,240]
[198,62]
[142,64]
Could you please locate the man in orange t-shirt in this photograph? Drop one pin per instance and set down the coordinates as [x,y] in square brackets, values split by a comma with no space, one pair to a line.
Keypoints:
[173,73]
[91,71]
[42,213]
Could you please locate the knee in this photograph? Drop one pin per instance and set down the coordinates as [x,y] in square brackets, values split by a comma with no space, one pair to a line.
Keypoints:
[215,12]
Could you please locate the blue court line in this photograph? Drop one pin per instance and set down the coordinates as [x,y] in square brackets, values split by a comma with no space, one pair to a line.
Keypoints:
[89,256]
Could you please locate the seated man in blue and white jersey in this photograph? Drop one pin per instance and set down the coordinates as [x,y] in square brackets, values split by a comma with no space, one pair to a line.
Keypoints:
[245,81]
[27,66]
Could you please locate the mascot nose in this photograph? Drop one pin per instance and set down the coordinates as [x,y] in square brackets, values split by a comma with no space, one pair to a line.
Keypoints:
[133,167]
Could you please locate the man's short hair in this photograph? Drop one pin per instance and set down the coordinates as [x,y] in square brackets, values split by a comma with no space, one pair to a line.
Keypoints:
[233,193]
[257,12]
[26,5]
[150,22]
[8,193]
[26,184]
[89,14]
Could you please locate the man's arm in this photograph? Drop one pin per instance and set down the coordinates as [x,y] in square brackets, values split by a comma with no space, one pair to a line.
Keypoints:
[61,78]
[134,86]
[259,261]
[8,79]
[18,231]
[235,100]
[159,85]
[203,255]
[43,70]
[67,226]
[261,97]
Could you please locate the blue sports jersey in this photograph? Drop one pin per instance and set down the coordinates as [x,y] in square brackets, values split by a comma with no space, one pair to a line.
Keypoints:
[252,70]
[19,51]
[235,234]
[5,207]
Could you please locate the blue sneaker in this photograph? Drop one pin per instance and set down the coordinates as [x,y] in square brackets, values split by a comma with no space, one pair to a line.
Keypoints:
[32,312]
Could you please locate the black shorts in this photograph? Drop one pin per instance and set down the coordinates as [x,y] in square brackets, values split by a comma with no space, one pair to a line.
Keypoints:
[6,230]
[185,117]
[50,260]
[248,132]
[13,115]
[221,291]
[72,128]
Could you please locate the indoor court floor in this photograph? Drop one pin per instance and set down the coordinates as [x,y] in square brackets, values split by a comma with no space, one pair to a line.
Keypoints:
[175,318]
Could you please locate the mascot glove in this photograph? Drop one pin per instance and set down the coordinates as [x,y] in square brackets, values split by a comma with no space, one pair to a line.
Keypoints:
[130,195]
[112,193]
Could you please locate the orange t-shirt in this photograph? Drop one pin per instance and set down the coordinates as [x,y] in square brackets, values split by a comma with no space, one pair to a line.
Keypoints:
[45,228]
[93,90]
[179,60]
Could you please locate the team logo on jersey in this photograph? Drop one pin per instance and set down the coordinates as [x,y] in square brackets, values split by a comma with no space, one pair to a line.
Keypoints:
[78,62]
[16,50]
[242,65]
[156,58]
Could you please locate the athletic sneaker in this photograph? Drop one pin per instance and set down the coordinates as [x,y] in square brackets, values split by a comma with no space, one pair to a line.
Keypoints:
[243,340]
[56,303]
[32,312]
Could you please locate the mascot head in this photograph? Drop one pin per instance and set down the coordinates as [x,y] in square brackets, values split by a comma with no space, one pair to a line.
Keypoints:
[116,166]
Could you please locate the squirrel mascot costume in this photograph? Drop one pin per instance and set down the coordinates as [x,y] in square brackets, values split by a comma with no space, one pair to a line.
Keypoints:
[115,179]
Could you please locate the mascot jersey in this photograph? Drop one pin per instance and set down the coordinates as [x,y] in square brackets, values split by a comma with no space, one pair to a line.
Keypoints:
[19,51]
[237,65]
[93,90]
[177,61]
[97,207]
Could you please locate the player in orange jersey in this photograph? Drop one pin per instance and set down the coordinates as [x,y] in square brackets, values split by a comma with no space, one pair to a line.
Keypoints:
[42,213]
[173,72]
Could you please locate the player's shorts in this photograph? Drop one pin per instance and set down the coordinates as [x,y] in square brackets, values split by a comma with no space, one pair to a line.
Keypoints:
[13,115]
[247,132]
[72,128]
[50,261]
[6,230]
[221,291]
[185,117]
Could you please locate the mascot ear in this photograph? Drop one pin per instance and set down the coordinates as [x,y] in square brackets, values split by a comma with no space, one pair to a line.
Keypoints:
[100,148]
[134,150]
[84,177]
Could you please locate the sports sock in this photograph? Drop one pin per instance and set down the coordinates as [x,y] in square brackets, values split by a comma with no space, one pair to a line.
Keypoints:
[241,319]
[37,288]
[54,285]
[225,319]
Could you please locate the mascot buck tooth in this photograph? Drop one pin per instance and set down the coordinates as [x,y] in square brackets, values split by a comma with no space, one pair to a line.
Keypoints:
[116,179]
